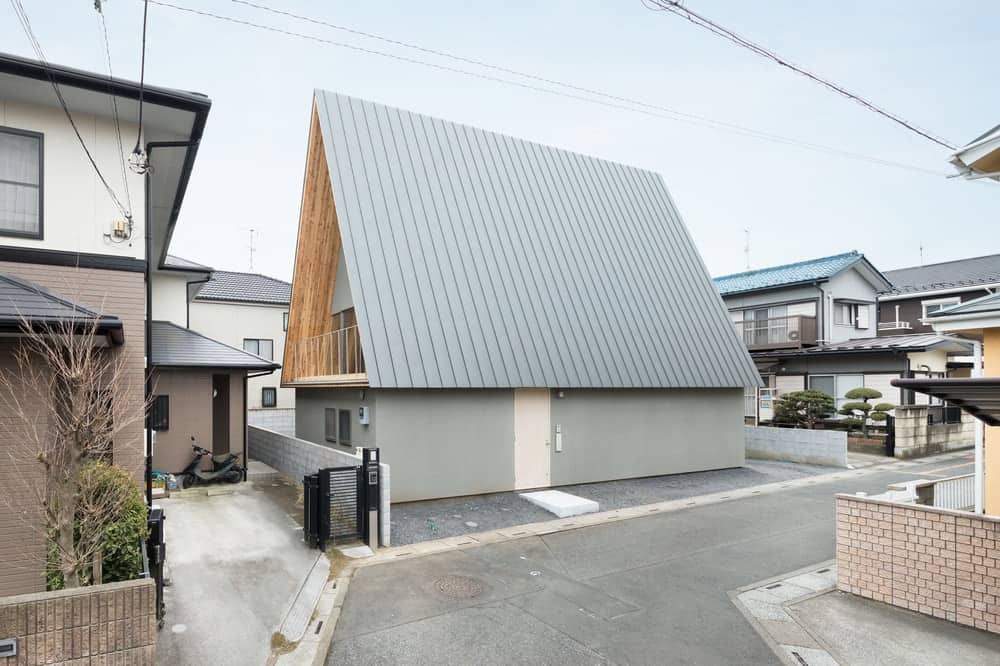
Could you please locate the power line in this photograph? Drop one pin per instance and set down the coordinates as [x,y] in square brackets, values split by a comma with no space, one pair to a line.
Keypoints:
[114,104]
[22,17]
[675,7]
[645,108]
[138,160]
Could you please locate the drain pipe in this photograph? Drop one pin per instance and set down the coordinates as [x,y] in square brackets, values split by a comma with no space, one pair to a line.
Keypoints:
[977,371]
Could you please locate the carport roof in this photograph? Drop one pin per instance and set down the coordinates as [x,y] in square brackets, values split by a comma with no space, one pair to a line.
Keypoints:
[979,396]
[22,301]
[178,347]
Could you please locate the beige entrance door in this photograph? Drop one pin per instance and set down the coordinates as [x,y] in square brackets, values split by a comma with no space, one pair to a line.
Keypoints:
[532,426]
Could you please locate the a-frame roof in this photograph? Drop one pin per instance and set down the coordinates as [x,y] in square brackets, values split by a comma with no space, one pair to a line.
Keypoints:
[478,260]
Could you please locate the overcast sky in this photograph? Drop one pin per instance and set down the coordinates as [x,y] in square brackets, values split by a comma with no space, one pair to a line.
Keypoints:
[931,62]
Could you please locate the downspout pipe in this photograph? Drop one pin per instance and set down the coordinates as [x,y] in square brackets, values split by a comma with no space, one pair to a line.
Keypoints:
[148,271]
[187,295]
[977,371]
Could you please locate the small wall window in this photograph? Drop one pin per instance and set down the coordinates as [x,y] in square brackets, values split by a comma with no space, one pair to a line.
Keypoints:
[344,426]
[330,427]
[269,396]
[20,183]
[284,321]
[159,413]
[260,347]
[939,304]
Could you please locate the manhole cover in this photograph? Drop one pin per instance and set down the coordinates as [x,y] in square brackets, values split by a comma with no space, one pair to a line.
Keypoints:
[458,587]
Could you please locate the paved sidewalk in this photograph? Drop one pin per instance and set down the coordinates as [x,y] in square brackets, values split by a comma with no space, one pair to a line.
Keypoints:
[420,521]
[646,590]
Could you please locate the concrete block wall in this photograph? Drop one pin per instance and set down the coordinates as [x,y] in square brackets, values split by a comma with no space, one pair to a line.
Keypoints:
[278,420]
[817,447]
[938,562]
[914,437]
[103,624]
[296,457]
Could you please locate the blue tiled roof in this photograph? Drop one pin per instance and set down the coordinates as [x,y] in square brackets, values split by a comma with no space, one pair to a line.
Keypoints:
[777,276]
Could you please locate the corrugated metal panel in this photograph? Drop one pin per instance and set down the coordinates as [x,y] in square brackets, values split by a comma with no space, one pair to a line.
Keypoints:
[178,347]
[479,260]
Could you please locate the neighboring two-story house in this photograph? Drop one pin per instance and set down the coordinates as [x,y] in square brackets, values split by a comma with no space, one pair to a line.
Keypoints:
[812,324]
[919,291]
[69,252]
[250,311]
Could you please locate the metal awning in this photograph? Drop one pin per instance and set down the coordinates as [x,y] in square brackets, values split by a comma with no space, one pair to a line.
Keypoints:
[978,396]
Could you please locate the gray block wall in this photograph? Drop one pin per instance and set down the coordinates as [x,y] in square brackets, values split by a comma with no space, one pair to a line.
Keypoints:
[816,447]
[280,420]
[296,458]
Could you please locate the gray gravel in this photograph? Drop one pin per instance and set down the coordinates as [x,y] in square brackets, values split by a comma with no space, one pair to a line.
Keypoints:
[436,519]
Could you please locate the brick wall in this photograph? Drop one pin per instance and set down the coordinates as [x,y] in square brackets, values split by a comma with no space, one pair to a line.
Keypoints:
[296,457]
[117,293]
[938,562]
[105,624]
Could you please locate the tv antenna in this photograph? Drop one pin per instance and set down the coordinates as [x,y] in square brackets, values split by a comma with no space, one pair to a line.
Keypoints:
[746,247]
[253,249]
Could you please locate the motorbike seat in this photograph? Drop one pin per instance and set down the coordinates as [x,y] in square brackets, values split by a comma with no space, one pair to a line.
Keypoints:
[222,458]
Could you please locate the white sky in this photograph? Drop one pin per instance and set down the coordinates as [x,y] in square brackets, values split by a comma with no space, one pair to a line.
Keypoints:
[931,62]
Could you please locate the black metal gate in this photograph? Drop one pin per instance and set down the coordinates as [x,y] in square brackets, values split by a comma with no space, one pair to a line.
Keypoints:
[154,557]
[336,503]
[890,435]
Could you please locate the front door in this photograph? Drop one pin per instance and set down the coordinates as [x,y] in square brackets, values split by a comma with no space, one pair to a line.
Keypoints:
[220,414]
[532,427]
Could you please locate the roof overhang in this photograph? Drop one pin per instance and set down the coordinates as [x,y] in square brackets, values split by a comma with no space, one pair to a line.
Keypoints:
[981,158]
[108,329]
[978,396]
[944,291]
[173,124]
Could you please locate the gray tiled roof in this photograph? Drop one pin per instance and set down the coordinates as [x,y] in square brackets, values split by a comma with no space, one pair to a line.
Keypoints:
[477,260]
[22,299]
[946,275]
[245,288]
[178,347]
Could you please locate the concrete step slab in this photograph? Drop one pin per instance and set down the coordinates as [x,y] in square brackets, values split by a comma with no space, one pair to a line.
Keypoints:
[560,503]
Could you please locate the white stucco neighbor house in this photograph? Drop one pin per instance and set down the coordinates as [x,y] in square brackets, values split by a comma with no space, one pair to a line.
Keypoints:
[250,311]
[496,314]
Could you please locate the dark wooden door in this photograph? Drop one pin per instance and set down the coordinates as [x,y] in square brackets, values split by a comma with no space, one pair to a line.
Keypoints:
[220,414]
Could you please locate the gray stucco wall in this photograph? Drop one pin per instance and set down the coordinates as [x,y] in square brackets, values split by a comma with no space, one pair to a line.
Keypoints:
[310,418]
[443,443]
[623,434]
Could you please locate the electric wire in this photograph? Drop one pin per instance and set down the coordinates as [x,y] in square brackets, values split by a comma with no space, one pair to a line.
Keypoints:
[676,8]
[25,22]
[113,99]
[139,161]
[644,108]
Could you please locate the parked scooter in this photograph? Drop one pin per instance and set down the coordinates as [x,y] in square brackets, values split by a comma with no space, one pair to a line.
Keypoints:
[225,467]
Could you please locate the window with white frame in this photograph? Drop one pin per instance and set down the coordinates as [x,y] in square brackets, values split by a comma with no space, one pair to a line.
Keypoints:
[260,347]
[20,183]
[939,304]
[836,385]
[851,314]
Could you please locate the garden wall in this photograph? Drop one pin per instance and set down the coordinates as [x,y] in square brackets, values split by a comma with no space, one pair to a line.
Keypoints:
[817,447]
[296,458]
[933,561]
[103,624]
[277,419]
[914,437]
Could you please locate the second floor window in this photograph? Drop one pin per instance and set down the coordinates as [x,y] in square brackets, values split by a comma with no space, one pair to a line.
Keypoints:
[20,183]
[260,347]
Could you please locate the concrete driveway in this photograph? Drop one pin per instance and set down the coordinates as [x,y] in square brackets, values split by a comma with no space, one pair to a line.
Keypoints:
[650,590]
[235,560]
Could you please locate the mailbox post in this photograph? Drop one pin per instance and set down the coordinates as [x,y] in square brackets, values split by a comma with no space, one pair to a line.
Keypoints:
[371,500]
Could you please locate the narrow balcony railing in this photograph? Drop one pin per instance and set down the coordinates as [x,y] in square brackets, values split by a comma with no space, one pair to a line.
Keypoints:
[333,354]
[894,326]
[778,332]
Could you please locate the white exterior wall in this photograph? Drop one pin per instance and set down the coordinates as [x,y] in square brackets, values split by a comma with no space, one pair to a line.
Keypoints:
[170,297]
[849,285]
[231,323]
[77,211]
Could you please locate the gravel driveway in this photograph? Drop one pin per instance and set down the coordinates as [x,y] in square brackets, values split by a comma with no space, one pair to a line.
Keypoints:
[436,519]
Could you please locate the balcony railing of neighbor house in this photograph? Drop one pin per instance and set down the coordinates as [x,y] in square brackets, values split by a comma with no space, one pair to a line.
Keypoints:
[778,332]
[894,326]
[335,356]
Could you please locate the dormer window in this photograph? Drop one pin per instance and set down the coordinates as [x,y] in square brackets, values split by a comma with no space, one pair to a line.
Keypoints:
[20,183]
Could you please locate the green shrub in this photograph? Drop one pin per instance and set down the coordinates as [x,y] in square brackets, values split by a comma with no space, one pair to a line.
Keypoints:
[124,527]
[803,408]
[860,411]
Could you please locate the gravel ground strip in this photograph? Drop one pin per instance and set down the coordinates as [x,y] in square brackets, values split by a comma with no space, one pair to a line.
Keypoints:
[413,522]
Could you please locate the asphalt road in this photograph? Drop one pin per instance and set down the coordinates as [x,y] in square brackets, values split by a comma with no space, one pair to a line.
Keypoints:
[643,591]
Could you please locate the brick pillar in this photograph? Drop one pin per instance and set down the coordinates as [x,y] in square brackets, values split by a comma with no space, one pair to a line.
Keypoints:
[911,430]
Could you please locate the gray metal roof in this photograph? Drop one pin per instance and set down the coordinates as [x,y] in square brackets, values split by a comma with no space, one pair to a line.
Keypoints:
[21,301]
[245,288]
[178,347]
[480,260]
[946,275]
[908,343]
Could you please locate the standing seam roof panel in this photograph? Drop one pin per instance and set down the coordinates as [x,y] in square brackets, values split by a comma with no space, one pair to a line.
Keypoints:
[519,264]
